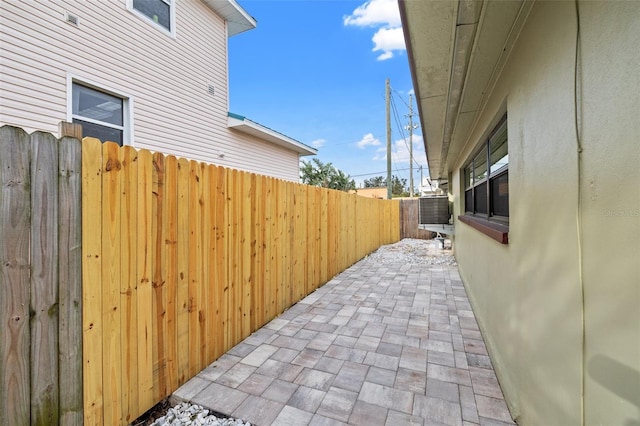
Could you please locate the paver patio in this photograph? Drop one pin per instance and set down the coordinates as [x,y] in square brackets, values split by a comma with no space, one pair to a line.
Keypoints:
[379,344]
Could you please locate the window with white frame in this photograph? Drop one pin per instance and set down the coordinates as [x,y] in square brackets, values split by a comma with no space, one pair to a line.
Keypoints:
[101,114]
[487,187]
[160,12]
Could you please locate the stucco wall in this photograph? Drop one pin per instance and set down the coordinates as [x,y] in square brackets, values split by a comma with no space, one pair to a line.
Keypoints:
[610,194]
[167,78]
[574,224]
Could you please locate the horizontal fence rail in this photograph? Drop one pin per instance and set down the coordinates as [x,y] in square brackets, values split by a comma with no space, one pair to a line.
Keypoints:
[182,260]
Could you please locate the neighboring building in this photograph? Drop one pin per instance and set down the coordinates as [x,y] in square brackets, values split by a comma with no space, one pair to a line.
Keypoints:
[379,193]
[151,74]
[530,112]
[429,187]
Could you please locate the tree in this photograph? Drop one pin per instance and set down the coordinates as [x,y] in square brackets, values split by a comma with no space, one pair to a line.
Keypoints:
[375,182]
[398,186]
[317,173]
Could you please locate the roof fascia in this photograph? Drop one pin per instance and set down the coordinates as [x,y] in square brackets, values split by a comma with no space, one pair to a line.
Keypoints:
[244,125]
[238,20]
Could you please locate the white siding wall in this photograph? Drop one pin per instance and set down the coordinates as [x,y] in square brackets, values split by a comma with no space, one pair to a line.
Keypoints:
[167,78]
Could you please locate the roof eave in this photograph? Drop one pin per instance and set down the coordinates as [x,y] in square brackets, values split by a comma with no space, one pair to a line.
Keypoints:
[244,125]
[238,20]
[451,82]
[429,29]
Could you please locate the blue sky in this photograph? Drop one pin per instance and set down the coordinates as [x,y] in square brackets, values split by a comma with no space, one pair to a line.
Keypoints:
[315,70]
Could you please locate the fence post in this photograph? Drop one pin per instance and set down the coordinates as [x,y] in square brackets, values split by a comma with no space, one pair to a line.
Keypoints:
[71,130]
[15,203]
[70,280]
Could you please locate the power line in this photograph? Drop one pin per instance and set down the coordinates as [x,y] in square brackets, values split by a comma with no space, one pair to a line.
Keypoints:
[404,138]
[377,173]
[407,105]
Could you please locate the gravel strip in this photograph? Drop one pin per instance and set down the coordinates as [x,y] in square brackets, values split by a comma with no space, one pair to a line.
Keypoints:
[185,414]
[408,250]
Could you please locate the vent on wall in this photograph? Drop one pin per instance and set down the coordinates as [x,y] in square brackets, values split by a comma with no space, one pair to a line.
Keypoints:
[211,89]
[71,19]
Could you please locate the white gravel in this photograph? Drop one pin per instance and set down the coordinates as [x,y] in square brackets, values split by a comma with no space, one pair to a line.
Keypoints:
[412,251]
[406,251]
[185,414]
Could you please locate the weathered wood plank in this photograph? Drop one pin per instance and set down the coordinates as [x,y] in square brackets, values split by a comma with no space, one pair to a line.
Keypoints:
[44,279]
[128,283]
[14,275]
[70,280]
[92,281]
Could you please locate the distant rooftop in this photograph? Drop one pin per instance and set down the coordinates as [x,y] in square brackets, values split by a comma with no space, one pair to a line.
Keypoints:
[243,124]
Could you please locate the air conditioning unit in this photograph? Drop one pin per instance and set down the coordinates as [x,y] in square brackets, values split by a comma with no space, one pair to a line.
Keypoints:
[434,210]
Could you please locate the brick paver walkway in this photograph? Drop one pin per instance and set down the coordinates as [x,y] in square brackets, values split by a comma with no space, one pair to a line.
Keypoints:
[379,344]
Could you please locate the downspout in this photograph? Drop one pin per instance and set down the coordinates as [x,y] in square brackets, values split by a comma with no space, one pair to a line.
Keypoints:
[577,99]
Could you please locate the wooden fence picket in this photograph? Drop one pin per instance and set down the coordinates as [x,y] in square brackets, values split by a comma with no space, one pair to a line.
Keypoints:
[140,269]
[15,203]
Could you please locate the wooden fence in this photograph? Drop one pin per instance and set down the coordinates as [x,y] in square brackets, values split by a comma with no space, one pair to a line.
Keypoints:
[409,212]
[182,260]
[124,273]
[40,280]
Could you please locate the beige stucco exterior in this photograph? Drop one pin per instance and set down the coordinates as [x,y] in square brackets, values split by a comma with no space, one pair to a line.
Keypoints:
[559,305]
[175,84]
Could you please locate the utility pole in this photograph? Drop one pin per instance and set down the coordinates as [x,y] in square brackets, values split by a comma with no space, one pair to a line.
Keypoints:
[388,100]
[411,127]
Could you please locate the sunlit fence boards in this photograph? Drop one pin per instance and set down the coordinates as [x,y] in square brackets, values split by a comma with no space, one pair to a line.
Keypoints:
[182,260]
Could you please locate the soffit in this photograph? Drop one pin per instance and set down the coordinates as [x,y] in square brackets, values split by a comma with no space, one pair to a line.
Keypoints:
[243,124]
[456,50]
[238,20]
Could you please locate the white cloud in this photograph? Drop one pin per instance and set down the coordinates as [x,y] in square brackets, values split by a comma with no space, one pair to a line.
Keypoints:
[318,143]
[388,40]
[375,12]
[400,152]
[381,154]
[380,13]
[368,140]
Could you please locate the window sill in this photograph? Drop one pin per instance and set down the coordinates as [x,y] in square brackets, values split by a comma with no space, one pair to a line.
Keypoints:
[496,231]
